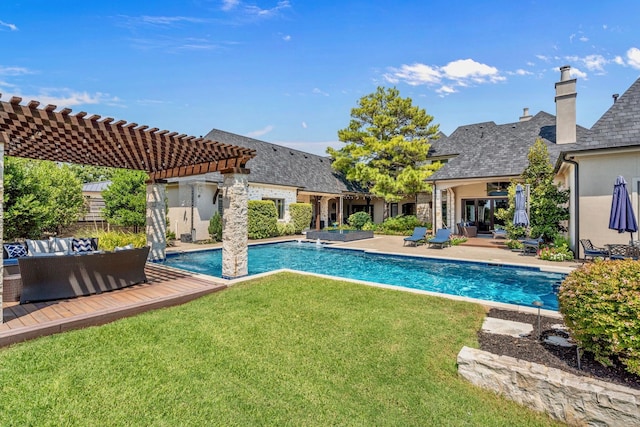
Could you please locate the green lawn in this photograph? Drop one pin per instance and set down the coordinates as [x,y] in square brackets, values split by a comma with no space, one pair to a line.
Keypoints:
[282,350]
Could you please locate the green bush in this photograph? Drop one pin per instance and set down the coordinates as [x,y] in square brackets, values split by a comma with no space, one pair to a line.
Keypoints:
[215,227]
[300,216]
[600,303]
[358,220]
[285,228]
[556,253]
[108,240]
[514,244]
[263,219]
[403,224]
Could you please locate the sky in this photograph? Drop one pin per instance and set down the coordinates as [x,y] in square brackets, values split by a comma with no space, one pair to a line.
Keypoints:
[290,71]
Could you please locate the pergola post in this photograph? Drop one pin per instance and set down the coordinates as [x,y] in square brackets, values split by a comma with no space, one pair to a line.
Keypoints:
[156,226]
[4,139]
[235,197]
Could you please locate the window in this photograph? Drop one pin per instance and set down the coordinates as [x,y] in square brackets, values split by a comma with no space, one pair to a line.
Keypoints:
[394,210]
[279,206]
[409,209]
[220,207]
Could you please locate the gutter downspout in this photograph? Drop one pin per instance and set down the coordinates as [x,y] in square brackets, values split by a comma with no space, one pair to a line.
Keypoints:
[577,204]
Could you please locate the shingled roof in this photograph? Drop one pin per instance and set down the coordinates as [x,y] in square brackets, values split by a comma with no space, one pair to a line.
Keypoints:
[619,126]
[279,165]
[488,150]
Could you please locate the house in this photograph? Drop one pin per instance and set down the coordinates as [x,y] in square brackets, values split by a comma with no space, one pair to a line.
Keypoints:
[483,158]
[93,200]
[278,173]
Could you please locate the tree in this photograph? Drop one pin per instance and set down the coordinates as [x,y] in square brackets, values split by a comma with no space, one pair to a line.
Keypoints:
[40,197]
[387,145]
[547,202]
[89,173]
[125,199]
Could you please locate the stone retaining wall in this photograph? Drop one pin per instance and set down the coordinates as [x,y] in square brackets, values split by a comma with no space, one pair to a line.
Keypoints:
[576,400]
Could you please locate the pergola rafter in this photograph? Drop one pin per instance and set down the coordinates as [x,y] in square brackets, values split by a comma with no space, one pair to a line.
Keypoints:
[46,134]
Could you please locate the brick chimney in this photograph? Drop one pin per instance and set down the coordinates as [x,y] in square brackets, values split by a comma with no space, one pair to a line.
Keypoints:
[566,107]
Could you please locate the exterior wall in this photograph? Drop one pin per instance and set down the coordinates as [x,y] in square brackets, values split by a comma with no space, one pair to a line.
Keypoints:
[424,207]
[179,199]
[289,194]
[597,176]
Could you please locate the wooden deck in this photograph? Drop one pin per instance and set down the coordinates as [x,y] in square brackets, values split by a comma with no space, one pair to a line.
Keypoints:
[166,287]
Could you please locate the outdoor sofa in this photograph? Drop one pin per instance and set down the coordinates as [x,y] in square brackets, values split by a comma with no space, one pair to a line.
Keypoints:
[45,272]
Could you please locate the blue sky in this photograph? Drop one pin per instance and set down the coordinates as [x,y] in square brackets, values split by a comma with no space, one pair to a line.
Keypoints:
[290,71]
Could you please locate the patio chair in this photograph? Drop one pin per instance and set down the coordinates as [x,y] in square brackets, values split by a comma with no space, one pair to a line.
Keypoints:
[620,252]
[441,238]
[592,251]
[419,234]
[499,233]
[531,245]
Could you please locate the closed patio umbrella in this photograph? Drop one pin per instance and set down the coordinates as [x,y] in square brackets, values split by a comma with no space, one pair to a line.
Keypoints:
[520,217]
[622,217]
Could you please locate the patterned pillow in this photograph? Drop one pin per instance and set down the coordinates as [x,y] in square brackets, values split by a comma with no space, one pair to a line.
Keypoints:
[81,245]
[15,250]
[38,246]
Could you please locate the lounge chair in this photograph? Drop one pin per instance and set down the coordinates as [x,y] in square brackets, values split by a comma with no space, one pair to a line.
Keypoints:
[441,238]
[499,234]
[593,251]
[619,252]
[419,234]
[531,245]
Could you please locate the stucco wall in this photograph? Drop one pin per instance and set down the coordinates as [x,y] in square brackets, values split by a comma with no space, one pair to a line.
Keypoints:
[597,177]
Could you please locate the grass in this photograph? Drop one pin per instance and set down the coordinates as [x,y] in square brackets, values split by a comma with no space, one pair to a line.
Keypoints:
[282,350]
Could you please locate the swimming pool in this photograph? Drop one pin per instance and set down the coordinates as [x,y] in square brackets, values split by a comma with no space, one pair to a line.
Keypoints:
[499,283]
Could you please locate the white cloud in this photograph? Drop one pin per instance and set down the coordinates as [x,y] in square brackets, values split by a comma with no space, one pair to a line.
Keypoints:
[584,39]
[414,75]
[169,20]
[12,27]
[260,132]
[14,71]
[257,11]
[317,91]
[287,38]
[543,58]
[468,69]
[594,62]
[69,98]
[521,72]
[633,57]
[576,73]
[229,4]
[446,90]
[618,60]
[304,125]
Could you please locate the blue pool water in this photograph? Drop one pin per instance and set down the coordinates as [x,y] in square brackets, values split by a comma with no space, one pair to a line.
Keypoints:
[508,284]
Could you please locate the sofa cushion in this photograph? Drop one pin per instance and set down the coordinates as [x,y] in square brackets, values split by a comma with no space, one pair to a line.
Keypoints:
[61,244]
[15,250]
[123,248]
[38,246]
[81,245]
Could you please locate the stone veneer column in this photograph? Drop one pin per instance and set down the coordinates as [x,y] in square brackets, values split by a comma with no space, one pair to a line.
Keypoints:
[235,197]
[4,139]
[156,220]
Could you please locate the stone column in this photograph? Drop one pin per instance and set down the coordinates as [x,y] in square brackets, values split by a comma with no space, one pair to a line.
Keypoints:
[156,220]
[4,139]
[235,197]
[423,208]
[437,208]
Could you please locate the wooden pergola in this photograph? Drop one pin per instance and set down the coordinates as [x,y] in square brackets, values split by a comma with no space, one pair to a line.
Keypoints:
[46,134]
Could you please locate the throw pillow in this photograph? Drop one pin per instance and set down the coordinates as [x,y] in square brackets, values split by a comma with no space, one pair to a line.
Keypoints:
[59,244]
[15,250]
[81,245]
[38,246]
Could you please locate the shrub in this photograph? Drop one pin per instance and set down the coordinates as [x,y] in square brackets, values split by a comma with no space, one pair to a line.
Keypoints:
[359,219]
[300,216]
[556,253]
[514,244]
[108,240]
[600,303]
[263,219]
[403,224]
[285,228]
[215,227]
[455,241]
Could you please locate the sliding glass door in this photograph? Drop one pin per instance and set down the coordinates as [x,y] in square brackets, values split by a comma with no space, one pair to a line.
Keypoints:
[481,212]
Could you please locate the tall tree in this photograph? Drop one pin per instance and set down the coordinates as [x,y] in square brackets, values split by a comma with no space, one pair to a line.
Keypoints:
[547,202]
[40,197]
[387,145]
[89,173]
[125,199]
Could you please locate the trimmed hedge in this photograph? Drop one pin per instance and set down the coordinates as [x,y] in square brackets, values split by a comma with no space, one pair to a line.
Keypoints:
[600,303]
[358,220]
[263,219]
[300,216]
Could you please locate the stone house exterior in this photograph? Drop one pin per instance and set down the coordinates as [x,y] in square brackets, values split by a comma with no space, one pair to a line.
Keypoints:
[482,159]
[278,173]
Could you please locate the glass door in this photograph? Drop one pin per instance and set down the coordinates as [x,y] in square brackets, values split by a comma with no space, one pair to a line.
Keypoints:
[480,212]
